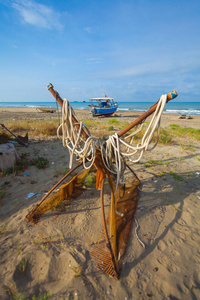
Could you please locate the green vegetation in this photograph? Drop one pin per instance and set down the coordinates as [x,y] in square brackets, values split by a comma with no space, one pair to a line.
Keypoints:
[165,137]
[174,126]
[43,297]
[22,266]
[187,147]
[98,127]
[161,173]
[22,164]
[78,270]
[187,131]
[90,180]
[40,162]
[113,121]
[45,242]
[19,251]
[152,163]
[91,123]
[175,176]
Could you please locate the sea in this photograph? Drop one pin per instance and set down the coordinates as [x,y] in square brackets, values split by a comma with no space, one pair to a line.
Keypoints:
[187,108]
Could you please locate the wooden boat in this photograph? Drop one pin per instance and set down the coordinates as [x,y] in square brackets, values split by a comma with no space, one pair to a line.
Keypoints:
[185,117]
[46,109]
[182,117]
[109,251]
[103,106]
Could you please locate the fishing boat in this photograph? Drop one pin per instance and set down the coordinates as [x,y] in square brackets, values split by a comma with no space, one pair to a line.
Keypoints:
[106,160]
[102,106]
[46,109]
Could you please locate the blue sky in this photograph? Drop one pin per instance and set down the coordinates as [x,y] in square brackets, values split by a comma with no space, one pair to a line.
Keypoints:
[133,50]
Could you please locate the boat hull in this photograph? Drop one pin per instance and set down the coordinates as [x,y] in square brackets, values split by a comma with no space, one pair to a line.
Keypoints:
[103,111]
[46,109]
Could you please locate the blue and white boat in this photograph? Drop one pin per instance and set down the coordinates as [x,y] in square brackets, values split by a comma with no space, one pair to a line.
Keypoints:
[102,106]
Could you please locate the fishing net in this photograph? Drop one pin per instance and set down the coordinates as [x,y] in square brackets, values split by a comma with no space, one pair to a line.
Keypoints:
[109,157]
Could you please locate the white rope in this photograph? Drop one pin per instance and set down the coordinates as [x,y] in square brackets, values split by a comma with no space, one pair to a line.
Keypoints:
[111,149]
[136,229]
[71,136]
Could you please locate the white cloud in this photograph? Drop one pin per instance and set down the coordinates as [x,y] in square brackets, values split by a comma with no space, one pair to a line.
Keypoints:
[37,14]
[94,60]
[88,29]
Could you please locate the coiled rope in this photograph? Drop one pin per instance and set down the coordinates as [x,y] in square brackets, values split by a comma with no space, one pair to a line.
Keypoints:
[114,150]
[114,157]
[71,137]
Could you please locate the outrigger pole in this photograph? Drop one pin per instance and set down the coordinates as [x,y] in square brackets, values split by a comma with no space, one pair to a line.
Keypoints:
[60,101]
[173,94]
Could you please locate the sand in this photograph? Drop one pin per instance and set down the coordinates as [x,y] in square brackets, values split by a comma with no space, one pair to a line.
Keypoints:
[25,113]
[168,215]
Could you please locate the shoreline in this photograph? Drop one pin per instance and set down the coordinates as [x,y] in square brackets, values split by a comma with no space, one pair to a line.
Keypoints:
[26,113]
[128,111]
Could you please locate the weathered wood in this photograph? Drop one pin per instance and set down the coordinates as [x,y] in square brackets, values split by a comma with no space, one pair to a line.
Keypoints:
[173,94]
[140,119]
[60,101]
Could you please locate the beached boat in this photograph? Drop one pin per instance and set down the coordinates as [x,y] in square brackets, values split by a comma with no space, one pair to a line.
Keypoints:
[102,106]
[46,109]
[185,117]
[106,160]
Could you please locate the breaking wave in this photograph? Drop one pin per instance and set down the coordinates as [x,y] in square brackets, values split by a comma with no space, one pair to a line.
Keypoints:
[183,111]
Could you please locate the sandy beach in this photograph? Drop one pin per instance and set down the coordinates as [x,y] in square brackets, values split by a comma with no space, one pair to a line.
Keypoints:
[168,214]
[26,113]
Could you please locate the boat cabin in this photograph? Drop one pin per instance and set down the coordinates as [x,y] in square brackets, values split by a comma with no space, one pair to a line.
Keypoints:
[103,106]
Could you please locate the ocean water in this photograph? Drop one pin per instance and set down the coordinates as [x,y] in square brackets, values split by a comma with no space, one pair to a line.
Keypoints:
[172,107]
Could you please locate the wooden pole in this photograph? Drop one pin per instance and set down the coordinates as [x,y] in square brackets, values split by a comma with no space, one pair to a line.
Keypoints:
[60,101]
[173,94]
